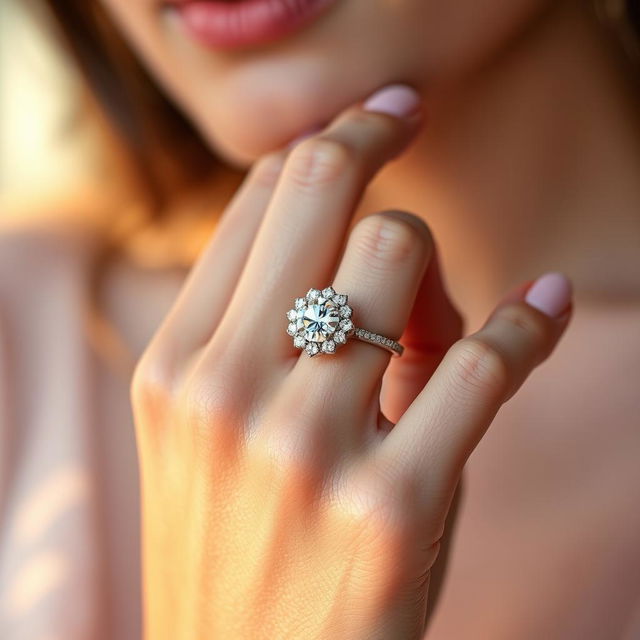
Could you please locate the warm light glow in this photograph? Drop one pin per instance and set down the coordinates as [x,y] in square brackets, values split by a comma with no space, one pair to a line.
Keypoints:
[43,151]
[42,574]
[60,493]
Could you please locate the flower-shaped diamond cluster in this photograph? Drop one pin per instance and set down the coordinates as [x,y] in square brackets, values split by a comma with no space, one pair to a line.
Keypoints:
[320,322]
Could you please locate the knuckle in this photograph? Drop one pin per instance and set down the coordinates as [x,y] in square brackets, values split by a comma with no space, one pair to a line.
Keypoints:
[530,325]
[294,436]
[209,401]
[383,240]
[381,508]
[201,402]
[319,161]
[151,383]
[289,454]
[479,367]
[210,408]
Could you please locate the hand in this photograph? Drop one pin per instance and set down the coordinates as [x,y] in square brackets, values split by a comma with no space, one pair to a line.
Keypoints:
[278,502]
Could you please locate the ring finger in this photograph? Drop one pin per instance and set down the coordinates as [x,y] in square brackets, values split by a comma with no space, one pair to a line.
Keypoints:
[383,265]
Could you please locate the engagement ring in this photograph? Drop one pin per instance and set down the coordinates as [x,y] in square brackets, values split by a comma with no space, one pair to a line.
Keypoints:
[321,323]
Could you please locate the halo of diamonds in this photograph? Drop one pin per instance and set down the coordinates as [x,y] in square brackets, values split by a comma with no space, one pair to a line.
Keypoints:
[320,322]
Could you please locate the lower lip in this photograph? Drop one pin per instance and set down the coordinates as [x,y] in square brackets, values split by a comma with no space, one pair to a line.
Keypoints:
[231,25]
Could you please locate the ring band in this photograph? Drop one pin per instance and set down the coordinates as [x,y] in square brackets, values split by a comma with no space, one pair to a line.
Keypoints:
[321,323]
[379,341]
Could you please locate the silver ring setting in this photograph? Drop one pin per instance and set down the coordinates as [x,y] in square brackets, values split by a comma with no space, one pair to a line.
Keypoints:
[321,323]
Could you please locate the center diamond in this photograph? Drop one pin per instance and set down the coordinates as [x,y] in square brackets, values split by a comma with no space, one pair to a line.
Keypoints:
[320,320]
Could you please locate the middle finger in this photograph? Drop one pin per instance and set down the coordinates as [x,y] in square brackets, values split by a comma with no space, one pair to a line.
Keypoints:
[306,221]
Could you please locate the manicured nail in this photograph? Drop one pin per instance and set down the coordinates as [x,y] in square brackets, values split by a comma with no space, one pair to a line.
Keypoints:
[551,293]
[397,100]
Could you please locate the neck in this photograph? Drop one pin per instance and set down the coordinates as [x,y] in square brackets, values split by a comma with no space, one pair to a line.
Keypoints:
[531,166]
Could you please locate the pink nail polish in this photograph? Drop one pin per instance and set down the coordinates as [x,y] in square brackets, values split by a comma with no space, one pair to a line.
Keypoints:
[397,100]
[551,293]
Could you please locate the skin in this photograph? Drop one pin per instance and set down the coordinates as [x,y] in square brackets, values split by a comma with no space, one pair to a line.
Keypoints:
[312,472]
[480,78]
[249,102]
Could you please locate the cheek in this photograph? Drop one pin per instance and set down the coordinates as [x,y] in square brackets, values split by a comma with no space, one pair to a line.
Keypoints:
[250,103]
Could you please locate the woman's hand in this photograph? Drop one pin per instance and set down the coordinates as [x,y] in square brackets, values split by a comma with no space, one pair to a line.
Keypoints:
[278,502]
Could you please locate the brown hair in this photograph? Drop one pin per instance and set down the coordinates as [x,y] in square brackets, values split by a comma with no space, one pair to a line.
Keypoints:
[163,153]
[142,116]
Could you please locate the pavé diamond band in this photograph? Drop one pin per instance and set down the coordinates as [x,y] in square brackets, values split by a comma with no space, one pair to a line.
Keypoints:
[321,323]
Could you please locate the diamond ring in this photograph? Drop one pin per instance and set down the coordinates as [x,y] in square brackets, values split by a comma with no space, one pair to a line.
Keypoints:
[321,323]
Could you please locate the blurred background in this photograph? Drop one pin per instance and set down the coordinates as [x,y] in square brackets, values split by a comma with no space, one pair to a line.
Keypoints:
[60,160]
[48,147]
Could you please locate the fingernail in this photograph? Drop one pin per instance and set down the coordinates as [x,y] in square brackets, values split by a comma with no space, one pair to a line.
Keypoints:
[397,100]
[551,293]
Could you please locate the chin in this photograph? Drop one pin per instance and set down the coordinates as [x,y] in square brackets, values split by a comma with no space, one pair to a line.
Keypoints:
[264,107]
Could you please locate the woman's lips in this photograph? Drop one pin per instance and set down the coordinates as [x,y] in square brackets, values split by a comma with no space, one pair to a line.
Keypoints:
[222,24]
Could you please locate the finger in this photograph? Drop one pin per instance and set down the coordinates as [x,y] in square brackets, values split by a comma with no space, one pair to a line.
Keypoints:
[306,221]
[211,282]
[477,375]
[434,325]
[385,259]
